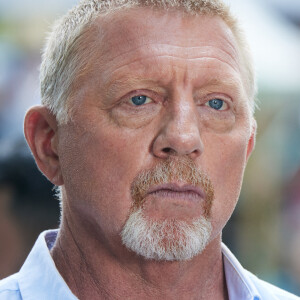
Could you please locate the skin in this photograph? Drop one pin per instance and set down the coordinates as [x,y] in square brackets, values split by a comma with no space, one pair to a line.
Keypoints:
[97,155]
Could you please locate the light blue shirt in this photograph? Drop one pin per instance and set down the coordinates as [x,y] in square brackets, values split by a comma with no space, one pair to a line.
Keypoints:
[39,279]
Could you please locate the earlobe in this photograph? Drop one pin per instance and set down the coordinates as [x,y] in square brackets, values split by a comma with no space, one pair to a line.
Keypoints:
[40,128]
[252,139]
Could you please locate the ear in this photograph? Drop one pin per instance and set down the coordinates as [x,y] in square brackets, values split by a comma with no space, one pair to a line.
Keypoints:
[40,128]
[252,139]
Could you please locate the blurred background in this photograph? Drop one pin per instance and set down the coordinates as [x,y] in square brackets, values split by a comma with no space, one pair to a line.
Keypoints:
[264,232]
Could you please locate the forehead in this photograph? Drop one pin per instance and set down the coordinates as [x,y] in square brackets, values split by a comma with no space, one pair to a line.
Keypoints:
[138,40]
[142,26]
[138,21]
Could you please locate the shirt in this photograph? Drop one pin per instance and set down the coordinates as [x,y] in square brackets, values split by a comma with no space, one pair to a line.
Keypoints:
[39,279]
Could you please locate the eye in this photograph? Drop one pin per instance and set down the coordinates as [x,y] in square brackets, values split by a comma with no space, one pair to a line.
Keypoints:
[217,104]
[140,100]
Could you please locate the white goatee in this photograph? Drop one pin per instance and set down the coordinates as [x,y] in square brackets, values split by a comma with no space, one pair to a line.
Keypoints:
[169,240]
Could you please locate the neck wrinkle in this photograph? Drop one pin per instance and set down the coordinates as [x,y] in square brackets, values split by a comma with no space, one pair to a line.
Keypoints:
[105,277]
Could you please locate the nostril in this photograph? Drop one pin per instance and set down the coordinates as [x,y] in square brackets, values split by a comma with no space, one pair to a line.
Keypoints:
[170,151]
[167,150]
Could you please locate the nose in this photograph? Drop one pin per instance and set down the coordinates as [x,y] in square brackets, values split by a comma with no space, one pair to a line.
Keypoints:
[179,134]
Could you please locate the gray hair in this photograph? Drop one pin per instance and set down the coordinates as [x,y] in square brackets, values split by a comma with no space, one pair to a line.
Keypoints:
[63,56]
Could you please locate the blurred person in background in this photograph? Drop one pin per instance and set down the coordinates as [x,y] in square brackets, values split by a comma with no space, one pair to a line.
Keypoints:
[27,205]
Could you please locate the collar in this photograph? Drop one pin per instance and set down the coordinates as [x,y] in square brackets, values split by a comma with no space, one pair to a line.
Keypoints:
[39,275]
[239,285]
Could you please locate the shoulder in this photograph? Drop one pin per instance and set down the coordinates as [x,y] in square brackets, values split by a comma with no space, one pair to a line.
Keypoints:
[266,289]
[9,288]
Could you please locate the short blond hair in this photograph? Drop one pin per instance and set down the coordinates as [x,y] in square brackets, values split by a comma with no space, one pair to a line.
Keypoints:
[62,59]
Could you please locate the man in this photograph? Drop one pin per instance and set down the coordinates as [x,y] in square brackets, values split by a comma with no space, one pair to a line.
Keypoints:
[146,126]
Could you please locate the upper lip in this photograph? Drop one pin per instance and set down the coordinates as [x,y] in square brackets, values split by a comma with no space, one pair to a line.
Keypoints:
[177,188]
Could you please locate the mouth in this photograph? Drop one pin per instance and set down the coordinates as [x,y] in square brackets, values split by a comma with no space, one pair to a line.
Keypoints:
[177,191]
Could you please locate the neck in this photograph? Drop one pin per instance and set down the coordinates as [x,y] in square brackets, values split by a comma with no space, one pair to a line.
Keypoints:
[99,272]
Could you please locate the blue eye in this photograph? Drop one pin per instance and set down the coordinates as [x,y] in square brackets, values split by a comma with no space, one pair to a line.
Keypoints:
[139,100]
[216,104]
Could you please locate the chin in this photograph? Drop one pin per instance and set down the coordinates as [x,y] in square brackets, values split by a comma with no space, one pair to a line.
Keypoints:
[165,240]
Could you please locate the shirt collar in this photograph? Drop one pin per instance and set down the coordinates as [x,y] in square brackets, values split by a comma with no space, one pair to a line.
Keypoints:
[239,285]
[39,270]
[38,276]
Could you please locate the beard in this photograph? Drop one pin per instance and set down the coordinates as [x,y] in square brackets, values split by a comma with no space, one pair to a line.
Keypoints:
[168,239]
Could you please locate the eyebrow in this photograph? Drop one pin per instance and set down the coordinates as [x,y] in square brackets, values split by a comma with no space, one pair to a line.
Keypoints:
[112,88]
[131,83]
[229,83]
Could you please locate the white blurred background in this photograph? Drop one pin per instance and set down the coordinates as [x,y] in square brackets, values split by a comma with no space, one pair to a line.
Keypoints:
[264,232]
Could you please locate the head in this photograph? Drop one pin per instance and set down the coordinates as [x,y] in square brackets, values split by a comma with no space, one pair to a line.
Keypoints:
[147,123]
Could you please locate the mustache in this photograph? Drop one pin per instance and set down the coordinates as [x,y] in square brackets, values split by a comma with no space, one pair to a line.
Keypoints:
[173,169]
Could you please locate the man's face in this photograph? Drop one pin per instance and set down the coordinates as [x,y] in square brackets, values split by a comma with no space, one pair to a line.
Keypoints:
[159,88]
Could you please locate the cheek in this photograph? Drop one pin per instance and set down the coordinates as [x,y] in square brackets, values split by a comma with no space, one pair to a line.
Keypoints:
[99,167]
[226,163]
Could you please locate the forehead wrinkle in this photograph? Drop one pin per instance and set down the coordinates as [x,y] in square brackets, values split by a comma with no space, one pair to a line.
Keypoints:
[159,65]
[138,39]
[157,48]
[230,42]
